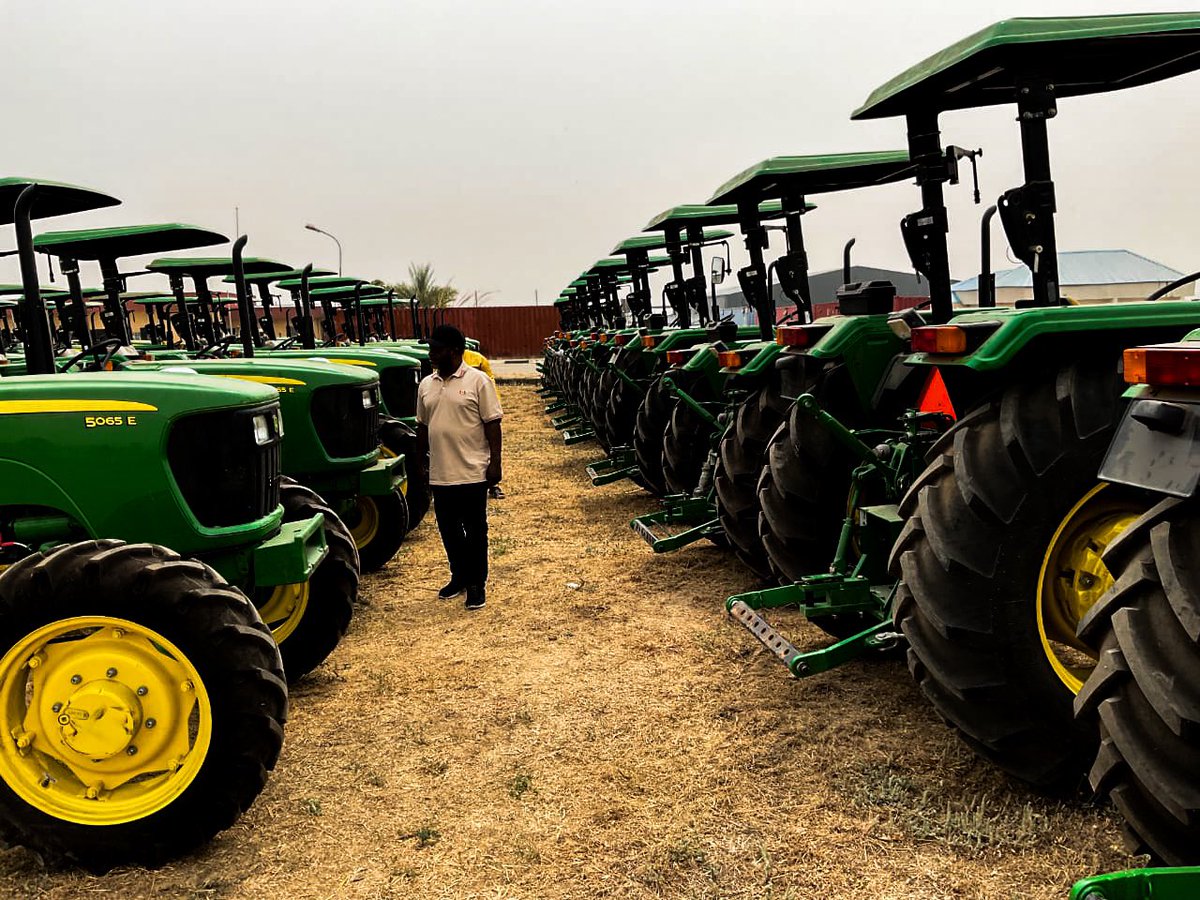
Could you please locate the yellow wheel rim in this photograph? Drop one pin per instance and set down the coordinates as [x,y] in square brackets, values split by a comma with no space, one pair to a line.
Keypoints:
[1073,578]
[284,609]
[367,526]
[105,721]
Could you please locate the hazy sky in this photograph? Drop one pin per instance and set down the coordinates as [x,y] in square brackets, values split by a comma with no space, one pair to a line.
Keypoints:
[512,143]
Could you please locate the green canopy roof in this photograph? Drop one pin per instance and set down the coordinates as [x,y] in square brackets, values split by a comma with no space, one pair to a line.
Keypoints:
[1078,55]
[710,214]
[611,264]
[816,174]
[128,240]
[8,304]
[152,299]
[60,301]
[267,277]
[325,281]
[54,198]
[8,290]
[347,293]
[211,266]
[658,241]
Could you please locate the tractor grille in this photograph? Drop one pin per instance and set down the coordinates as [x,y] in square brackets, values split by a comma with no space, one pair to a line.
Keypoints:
[400,385]
[227,464]
[347,420]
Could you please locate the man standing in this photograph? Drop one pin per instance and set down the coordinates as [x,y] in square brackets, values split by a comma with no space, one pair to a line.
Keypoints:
[458,428]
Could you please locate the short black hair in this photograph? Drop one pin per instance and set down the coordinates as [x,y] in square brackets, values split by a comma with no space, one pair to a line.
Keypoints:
[448,336]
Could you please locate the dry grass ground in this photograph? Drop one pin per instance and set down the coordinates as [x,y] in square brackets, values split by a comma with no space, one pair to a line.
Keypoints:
[601,729]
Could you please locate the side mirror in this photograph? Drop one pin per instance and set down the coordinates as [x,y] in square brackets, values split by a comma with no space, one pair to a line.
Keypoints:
[718,270]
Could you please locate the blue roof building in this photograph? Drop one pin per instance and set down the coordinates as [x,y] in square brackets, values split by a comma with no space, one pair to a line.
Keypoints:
[1086,276]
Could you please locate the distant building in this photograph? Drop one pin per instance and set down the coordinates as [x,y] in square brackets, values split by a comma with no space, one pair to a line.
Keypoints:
[1086,276]
[823,286]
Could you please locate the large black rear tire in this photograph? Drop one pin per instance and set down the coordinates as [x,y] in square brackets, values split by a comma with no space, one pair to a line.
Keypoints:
[742,456]
[1144,695]
[624,400]
[146,602]
[654,414]
[999,556]
[688,438]
[309,620]
[803,487]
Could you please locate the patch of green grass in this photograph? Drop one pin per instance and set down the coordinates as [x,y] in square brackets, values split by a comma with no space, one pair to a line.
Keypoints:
[521,784]
[312,806]
[497,547]
[967,823]
[426,835]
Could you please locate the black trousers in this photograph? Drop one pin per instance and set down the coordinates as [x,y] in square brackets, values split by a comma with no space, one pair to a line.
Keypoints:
[461,511]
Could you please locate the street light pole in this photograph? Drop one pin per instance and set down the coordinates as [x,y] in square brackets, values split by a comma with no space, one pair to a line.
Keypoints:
[312,227]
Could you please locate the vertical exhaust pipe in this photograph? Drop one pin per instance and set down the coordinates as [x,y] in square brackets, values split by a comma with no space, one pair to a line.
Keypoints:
[245,307]
[987,280]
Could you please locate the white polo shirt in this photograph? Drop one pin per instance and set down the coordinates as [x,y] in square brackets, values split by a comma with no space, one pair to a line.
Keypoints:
[454,410]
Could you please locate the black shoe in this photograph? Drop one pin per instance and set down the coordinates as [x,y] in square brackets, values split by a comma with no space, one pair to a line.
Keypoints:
[450,590]
[476,597]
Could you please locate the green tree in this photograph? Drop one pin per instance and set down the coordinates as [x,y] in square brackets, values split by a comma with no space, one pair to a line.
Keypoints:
[423,285]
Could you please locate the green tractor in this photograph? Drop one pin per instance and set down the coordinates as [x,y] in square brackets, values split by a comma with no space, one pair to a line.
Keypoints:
[143,697]
[844,359]
[1143,694]
[307,617]
[998,539]
[331,412]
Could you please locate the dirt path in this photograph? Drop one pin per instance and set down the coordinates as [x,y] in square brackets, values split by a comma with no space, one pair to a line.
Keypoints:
[601,729]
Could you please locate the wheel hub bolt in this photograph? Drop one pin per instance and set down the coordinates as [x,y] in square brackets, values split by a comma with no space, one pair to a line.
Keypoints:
[143,691]
[75,679]
[111,673]
[150,723]
[186,687]
[118,632]
[92,792]
[56,707]
[131,750]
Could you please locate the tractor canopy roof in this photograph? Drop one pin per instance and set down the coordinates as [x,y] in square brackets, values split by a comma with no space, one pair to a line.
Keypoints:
[658,241]
[347,293]
[211,266]
[710,214]
[127,240]
[816,174]
[616,266]
[268,277]
[1078,55]
[12,290]
[324,281]
[64,303]
[152,299]
[53,198]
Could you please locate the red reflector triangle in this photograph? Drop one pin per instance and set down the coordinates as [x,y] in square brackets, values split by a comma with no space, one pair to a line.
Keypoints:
[935,397]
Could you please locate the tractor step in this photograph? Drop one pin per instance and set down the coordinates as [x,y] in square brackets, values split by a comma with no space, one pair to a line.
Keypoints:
[562,423]
[768,636]
[619,464]
[578,435]
[804,663]
[556,406]
[682,520]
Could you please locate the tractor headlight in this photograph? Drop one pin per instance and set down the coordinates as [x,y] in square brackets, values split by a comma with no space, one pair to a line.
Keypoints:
[279,422]
[262,430]
[368,398]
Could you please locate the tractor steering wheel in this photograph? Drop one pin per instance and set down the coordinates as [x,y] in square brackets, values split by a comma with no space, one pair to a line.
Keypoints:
[216,349]
[101,352]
